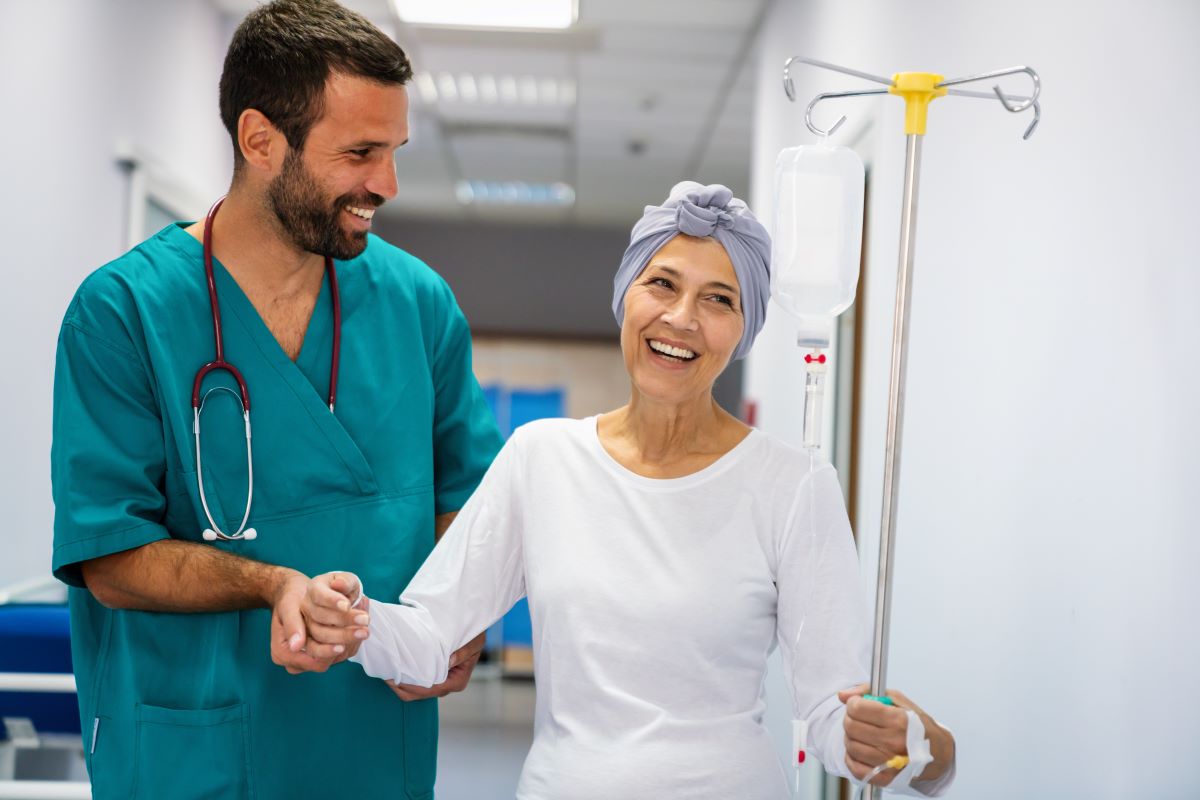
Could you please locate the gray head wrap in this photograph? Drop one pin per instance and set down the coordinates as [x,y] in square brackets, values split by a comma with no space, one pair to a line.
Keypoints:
[699,210]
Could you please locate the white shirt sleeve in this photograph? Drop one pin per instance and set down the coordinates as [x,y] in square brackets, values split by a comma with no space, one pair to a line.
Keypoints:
[822,624]
[473,576]
[822,628]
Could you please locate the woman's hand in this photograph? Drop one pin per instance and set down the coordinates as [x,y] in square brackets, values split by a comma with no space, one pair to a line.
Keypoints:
[462,664]
[335,629]
[876,732]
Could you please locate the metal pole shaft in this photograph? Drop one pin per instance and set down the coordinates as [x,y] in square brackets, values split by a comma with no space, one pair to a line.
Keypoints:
[891,463]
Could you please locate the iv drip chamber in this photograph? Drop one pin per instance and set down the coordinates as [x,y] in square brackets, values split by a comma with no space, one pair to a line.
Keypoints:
[817,241]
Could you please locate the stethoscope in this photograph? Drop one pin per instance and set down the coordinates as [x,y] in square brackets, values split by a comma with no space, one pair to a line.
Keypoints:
[214,532]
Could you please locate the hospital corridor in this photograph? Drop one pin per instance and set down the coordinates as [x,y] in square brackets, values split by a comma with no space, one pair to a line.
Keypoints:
[599,399]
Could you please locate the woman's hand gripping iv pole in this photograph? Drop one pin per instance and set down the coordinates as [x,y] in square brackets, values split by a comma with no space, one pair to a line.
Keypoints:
[877,734]
[897,762]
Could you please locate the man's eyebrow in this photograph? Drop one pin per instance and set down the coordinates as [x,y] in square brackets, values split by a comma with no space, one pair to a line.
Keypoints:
[372,145]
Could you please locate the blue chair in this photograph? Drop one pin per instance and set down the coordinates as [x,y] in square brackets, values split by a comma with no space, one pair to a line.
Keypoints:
[36,638]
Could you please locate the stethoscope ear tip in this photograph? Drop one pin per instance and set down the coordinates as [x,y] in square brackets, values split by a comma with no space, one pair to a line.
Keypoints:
[249,534]
[210,535]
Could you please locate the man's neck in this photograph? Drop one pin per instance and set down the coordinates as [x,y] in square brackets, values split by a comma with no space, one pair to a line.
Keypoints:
[251,244]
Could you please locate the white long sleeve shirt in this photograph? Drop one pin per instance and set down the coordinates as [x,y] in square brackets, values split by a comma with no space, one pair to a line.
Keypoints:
[655,603]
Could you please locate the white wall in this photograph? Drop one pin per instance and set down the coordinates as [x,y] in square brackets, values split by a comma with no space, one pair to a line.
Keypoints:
[79,75]
[1045,593]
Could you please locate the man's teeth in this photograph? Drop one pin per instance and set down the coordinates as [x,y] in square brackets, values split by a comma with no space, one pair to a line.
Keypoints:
[668,350]
[365,213]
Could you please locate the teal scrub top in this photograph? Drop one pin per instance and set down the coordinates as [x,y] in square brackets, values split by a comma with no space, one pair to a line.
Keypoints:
[190,705]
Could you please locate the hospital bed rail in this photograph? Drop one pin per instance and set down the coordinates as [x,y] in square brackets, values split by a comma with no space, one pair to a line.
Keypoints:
[39,682]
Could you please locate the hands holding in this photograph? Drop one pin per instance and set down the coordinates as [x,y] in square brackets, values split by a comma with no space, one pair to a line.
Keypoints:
[314,626]
[876,732]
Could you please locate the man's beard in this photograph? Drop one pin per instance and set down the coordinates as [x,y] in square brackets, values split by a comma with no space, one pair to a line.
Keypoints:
[312,223]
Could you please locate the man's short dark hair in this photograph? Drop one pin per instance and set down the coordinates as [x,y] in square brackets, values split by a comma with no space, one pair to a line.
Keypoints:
[283,53]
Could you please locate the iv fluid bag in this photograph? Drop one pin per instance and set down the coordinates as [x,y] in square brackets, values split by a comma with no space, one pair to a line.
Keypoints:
[817,242]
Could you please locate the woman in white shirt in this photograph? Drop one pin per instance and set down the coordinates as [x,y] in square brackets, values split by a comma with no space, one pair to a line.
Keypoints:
[665,549]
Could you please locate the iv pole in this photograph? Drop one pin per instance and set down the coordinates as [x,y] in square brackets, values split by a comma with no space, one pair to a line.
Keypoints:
[918,89]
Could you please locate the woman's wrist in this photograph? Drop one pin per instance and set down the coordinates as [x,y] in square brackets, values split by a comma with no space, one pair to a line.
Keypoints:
[942,746]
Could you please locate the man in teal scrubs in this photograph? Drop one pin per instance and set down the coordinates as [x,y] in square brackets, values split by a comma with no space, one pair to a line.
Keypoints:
[173,636]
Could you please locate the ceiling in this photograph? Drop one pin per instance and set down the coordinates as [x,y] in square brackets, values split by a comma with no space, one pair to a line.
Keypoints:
[663,91]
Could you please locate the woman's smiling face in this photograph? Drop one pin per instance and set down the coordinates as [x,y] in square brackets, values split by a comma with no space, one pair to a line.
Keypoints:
[683,320]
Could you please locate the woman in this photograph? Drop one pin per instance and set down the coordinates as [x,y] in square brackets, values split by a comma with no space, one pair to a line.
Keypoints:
[665,548]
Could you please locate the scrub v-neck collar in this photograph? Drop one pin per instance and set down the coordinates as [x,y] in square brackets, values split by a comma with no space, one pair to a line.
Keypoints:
[295,374]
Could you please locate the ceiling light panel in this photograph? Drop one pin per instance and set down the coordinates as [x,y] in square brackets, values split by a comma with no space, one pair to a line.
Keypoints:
[514,193]
[486,89]
[530,14]
[672,15]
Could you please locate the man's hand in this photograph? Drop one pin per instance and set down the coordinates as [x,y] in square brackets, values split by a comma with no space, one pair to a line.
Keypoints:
[288,633]
[462,664]
[875,732]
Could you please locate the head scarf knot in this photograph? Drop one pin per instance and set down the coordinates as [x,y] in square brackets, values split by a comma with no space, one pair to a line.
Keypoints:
[697,210]
[700,212]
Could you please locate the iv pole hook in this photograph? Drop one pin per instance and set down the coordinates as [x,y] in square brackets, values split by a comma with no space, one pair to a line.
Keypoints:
[790,89]
[828,96]
[1017,107]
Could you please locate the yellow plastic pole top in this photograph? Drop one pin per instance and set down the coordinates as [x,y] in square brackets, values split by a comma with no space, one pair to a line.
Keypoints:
[917,89]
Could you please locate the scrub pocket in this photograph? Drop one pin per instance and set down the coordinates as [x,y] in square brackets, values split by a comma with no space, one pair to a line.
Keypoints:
[192,754]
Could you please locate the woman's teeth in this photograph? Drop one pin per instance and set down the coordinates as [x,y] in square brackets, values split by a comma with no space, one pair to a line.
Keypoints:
[365,213]
[673,352]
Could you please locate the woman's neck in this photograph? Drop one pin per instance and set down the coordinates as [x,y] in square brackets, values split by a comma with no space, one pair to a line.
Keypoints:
[669,438]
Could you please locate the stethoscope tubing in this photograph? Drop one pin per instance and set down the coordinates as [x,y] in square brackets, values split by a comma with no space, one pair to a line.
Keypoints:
[214,532]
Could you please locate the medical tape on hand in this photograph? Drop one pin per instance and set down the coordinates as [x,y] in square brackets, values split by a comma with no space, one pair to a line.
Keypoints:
[919,753]
[361,593]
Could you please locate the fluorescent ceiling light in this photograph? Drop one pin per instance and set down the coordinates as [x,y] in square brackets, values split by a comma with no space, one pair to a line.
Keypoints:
[514,193]
[510,90]
[540,14]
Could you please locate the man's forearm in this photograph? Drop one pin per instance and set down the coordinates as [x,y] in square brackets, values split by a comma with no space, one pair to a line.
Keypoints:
[441,523]
[176,576]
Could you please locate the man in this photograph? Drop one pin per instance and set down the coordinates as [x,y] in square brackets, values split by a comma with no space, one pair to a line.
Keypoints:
[363,465]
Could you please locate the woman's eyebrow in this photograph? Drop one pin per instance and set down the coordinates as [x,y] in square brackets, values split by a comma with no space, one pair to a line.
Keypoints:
[722,286]
[674,273]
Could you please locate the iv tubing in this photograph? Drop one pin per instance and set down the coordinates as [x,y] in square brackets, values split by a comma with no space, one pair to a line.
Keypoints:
[895,762]
[814,398]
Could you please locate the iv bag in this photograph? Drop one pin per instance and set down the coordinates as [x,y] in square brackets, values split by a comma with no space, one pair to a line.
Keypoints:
[817,242]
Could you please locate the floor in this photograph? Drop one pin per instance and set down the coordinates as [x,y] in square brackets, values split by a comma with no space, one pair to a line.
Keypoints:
[485,733]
